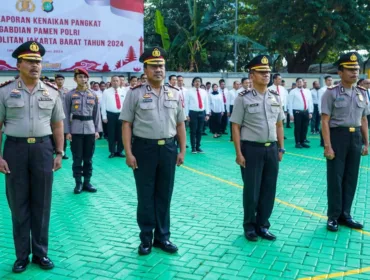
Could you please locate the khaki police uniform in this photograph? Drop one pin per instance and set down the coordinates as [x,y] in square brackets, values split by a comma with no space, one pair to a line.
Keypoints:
[29,154]
[83,105]
[257,114]
[345,107]
[154,117]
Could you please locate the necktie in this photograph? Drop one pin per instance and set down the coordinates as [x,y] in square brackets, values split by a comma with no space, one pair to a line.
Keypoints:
[277,87]
[118,101]
[200,103]
[304,100]
[223,95]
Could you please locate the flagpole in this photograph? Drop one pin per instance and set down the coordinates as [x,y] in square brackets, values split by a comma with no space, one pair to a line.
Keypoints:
[236,33]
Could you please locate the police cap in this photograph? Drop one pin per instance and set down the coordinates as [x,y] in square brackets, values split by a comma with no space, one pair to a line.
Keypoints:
[30,50]
[154,56]
[349,61]
[260,63]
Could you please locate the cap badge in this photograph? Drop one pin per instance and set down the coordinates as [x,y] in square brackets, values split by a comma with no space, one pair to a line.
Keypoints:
[264,60]
[34,47]
[353,57]
[156,53]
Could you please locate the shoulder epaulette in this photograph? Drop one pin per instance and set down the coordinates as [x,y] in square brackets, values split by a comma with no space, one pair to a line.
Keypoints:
[245,92]
[173,87]
[51,85]
[138,86]
[361,88]
[333,87]
[6,83]
[273,91]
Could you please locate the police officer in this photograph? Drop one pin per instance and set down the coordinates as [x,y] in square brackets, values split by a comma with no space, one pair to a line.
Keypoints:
[259,143]
[28,107]
[152,116]
[83,130]
[344,129]
[59,80]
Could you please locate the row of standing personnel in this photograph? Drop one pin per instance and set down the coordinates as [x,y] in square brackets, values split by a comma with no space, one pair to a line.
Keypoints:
[152,117]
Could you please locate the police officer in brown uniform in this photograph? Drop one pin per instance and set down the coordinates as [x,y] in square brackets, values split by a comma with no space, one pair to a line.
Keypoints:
[59,80]
[152,116]
[27,108]
[83,130]
[344,128]
[259,143]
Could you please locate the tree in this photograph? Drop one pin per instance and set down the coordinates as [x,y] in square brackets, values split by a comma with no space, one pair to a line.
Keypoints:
[306,31]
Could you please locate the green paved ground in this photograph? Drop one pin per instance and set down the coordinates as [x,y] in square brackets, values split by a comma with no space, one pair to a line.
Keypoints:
[95,236]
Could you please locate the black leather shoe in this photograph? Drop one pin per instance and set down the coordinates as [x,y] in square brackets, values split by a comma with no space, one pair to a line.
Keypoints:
[78,188]
[111,155]
[266,234]
[89,188]
[251,235]
[65,157]
[306,141]
[121,155]
[194,151]
[145,249]
[166,246]
[44,262]
[298,146]
[351,223]
[20,265]
[304,145]
[200,151]
[332,225]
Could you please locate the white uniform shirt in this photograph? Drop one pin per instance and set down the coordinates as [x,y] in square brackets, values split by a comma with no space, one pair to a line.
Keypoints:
[283,94]
[192,103]
[321,93]
[230,98]
[296,101]
[216,103]
[108,103]
[183,92]
[315,93]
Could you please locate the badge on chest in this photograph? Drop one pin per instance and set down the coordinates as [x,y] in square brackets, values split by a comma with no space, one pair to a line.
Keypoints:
[147,98]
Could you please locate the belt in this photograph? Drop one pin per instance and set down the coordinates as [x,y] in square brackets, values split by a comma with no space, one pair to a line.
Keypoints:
[30,140]
[113,113]
[159,142]
[350,129]
[294,110]
[258,144]
[82,118]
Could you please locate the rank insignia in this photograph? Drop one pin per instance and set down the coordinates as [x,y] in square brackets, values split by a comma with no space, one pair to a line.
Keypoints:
[45,93]
[148,88]
[147,95]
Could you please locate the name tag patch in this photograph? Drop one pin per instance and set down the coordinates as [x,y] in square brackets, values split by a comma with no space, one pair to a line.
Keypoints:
[45,99]
[340,99]
[147,100]
[254,105]
[15,95]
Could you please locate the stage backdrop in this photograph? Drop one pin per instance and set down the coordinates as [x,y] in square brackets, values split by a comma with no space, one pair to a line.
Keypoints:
[99,35]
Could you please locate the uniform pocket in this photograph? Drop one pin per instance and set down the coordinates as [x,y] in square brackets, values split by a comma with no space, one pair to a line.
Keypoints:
[254,109]
[15,108]
[170,104]
[147,106]
[45,109]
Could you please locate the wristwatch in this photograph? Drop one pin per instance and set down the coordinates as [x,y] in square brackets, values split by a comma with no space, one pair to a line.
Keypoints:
[60,153]
[281,150]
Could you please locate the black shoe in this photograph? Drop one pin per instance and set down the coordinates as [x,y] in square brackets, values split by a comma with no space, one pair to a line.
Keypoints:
[200,151]
[288,126]
[65,157]
[204,134]
[44,262]
[306,141]
[187,146]
[332,225]
[78,188]
[89,188]
[194,151]
[166,246]
[298,146]
[266,234]
[121,155]
[251,235]
[20,265]
[351,223]
[145,249]
[111,155]
[304,145]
